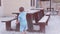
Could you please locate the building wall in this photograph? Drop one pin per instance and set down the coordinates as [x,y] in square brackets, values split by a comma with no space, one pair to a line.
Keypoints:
[13,6]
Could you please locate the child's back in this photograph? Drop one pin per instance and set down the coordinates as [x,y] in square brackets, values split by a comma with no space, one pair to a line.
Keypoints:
[22,18]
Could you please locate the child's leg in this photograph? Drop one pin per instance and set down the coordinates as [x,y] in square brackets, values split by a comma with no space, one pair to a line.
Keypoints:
[25,28]
[22,29]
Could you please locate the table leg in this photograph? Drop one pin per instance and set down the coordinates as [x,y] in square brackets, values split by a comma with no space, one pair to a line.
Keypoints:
[36,17]
[18,27]
[42,27]
[29,21]
[8,25]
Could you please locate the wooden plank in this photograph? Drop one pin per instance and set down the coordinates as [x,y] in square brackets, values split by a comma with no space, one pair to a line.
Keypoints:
[44,19]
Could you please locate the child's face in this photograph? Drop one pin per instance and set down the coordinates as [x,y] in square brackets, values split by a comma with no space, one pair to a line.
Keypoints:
[21,9]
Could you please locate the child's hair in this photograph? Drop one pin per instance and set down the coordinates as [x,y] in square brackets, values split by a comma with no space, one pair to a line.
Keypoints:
[21,9]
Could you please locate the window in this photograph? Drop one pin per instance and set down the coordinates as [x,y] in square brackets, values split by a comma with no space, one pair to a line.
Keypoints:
[35,3]
[32,3]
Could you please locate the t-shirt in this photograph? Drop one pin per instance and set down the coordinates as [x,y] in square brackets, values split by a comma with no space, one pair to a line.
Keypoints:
[22,18]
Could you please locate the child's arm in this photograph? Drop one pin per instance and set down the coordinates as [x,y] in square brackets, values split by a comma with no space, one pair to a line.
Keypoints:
[18,21]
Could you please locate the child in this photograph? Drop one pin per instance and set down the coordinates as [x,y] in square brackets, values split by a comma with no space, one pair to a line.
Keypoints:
[22,20]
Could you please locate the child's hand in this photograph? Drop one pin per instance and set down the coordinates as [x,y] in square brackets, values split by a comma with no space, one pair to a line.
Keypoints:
[17,22]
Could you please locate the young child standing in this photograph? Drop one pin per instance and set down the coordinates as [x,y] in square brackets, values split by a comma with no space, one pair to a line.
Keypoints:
[22,20]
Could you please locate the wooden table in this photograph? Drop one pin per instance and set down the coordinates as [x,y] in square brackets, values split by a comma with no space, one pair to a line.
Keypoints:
[17,13]
[32,15]
[29,19]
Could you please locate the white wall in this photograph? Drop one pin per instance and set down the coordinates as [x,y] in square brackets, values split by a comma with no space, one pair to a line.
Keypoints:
[13,6]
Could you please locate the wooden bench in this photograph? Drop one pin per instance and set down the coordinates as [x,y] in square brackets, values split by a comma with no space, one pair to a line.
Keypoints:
[8,22]
[43,22]
[48,14]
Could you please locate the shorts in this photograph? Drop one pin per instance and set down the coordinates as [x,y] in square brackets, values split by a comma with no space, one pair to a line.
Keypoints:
[23,28]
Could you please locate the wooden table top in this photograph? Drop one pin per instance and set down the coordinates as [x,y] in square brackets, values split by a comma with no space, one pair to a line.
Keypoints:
[30,11]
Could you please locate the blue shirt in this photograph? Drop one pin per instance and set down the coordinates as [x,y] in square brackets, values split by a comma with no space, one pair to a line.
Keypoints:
[22,18]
